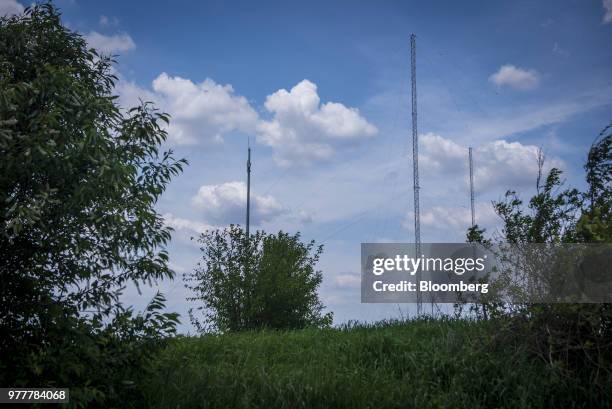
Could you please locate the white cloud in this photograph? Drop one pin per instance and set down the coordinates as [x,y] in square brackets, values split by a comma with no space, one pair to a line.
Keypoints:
[121,42]
[130,94]
[515,77]
[226,203]
[202,111]
[9,7]
[348,280]
[497,163]
[193,226]
[441,155]
[511,164]
[608,6]
[303,130]
[453,219]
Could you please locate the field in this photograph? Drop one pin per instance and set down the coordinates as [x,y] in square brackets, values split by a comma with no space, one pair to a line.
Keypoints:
[420,364]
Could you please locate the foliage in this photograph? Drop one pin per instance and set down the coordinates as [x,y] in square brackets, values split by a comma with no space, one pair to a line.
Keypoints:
[574,338]
[416,364]
[103,364]
[265,281]
[595,223]
[79,179]
[488,305]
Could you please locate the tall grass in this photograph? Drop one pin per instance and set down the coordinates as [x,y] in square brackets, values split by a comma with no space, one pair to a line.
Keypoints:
[416,364]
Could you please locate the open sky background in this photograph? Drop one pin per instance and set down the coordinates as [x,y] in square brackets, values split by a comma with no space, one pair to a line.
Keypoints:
[323,91]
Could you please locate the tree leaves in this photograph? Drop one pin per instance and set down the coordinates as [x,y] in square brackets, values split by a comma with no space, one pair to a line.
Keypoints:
[79,179]
[573,338]
[263,281]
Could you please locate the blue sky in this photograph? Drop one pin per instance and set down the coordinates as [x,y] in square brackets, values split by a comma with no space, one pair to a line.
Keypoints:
[323,91]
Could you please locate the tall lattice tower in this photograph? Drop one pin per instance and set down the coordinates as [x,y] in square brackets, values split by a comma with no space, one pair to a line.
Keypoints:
[415,167]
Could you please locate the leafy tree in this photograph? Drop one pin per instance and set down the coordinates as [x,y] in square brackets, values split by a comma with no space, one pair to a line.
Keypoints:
[265,281]
[595,223]
[572,337]
[79,179]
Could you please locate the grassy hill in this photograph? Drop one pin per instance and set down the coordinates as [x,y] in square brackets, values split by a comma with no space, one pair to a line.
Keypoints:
[420,364]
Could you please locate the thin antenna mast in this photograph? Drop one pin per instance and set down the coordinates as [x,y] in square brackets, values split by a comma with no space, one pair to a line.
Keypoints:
[248,206]
[415,169]
[472,188]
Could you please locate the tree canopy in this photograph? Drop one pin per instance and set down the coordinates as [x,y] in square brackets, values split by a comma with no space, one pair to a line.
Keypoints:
[79,179]
[571,336]
[263,281]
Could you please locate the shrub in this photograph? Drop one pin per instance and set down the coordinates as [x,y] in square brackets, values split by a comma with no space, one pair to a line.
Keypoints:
[264,281]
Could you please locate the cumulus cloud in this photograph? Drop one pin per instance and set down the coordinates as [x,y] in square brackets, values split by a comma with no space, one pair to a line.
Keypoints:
[452,218]
[202,111]
[303,130]
[608,7]
[9,7]
[179,223]
[130,94]
[225,203]
[440,155]
[502,163]
[515,77]
[497,163]
[116,43]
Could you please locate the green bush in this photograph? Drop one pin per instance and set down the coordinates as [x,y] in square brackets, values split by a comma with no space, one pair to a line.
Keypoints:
[263,281]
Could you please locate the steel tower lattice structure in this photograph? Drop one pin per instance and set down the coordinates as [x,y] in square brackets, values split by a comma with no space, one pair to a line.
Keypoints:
[415,167]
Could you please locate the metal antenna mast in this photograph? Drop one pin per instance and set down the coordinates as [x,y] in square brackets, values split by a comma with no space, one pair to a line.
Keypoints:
[248,207]
[472,188]
[415,169]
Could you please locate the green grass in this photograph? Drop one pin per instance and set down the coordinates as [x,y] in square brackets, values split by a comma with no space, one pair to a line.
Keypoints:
[418,364]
